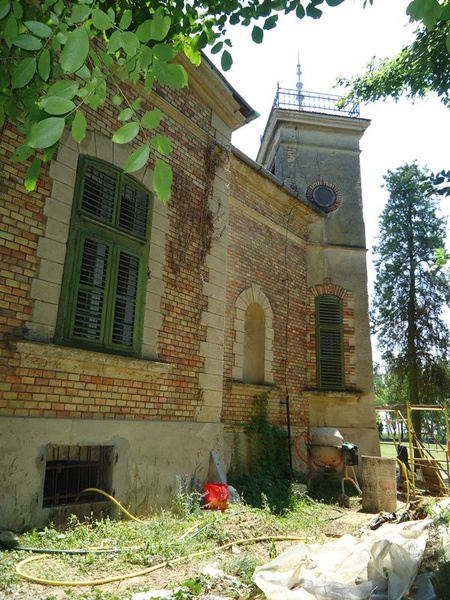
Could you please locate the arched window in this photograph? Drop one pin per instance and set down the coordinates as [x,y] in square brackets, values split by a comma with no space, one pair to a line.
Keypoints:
[329,343]
[101,305]
[254,344]
[252,348]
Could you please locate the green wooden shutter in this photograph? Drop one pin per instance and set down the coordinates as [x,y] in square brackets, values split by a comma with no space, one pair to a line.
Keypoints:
[102,301]
[125,305]
[90,301]
[99,193]
[133,211]
[329,334]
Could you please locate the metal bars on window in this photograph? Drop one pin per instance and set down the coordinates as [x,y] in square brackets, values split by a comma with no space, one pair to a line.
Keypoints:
[71,469]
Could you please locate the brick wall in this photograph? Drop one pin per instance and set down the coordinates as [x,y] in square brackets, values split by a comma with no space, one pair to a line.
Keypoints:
[39,386]
[267,240]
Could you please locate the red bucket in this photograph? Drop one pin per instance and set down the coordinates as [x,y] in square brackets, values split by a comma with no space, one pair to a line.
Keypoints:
[216,496]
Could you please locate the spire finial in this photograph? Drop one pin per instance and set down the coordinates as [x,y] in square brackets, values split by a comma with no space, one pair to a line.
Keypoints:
[299,85]
[299,74]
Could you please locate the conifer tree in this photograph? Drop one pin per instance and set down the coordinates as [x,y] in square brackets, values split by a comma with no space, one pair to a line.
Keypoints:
[410,293]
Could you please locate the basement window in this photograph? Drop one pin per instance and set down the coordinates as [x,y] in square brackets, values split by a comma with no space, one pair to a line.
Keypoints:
[71,469]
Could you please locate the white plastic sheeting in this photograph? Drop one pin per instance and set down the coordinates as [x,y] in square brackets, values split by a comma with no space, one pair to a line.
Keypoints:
[380,565]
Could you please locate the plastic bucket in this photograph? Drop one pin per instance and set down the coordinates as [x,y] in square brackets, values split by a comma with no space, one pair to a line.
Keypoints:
[216,496]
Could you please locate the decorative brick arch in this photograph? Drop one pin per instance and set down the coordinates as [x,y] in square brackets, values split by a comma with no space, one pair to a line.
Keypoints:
[253,295]
[347,298]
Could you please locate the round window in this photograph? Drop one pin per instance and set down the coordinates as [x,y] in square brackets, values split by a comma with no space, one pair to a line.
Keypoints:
[324,195]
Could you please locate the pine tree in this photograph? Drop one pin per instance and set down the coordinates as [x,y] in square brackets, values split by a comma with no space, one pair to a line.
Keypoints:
[410,293]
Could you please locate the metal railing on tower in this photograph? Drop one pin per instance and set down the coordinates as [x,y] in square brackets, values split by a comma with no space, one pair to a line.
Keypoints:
[314,102]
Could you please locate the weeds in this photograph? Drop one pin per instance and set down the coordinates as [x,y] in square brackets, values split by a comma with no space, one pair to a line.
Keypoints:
[268,482]
[242,567]
[162,538]
[139,546]
[188,497]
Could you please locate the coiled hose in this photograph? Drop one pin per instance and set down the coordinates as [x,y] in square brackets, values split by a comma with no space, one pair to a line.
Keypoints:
[93,582]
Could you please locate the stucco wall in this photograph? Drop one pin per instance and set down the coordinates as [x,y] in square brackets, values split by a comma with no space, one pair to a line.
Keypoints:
[302,149]
[147,459]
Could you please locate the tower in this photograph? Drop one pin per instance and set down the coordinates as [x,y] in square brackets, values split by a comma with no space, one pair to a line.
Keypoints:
[312,145]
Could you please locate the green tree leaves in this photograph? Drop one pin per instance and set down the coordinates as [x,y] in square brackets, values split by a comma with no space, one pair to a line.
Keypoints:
[427,11]
[161,144]
[23,73]
[27,42]
[56,105]
[40,29]
[162,180]
[57,59]
[257,34]
[101,20]
[79,127]
[10,30]
[80,12]
[126,19]
[137,159]
[151,119]
[410,292]
[44,64]
[126,133]
[160,25]
[32,175]
[419,69]
[4,8]
[126,114]
[46,133]
[226,60]
[75,50]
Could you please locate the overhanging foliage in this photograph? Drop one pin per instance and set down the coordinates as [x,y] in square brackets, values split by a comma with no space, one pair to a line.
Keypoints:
[59,58]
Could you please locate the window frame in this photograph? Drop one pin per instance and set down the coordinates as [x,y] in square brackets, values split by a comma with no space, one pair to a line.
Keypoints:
[320,327]
[66,463]
[85,226]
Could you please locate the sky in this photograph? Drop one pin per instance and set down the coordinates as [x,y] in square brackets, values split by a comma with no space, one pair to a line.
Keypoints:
[341,43]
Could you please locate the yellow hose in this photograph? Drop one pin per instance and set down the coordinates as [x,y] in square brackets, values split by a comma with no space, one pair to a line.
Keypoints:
[405,475]
[92,582]
[116,502]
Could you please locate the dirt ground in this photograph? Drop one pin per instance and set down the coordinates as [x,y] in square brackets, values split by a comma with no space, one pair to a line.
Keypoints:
[340,522]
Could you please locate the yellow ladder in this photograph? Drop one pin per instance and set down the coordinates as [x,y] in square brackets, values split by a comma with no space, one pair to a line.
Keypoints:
[431,469]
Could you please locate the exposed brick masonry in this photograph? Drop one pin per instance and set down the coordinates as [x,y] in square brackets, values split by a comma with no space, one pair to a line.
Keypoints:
[262,254]
[46,393]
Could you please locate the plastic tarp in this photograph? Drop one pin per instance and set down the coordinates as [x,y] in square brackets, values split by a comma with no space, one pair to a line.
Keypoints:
[380,565]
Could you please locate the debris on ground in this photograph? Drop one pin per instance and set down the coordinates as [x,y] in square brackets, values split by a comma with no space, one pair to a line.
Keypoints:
[381,564]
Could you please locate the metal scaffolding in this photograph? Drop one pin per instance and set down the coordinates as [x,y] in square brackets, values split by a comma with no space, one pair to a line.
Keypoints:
[435,473]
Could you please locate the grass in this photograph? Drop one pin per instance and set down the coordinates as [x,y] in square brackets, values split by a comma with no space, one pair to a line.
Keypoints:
[160,539]
[388,450]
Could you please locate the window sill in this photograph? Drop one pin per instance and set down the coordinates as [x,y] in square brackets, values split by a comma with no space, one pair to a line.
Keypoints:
[250,389]
[65,359]
[338,394]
